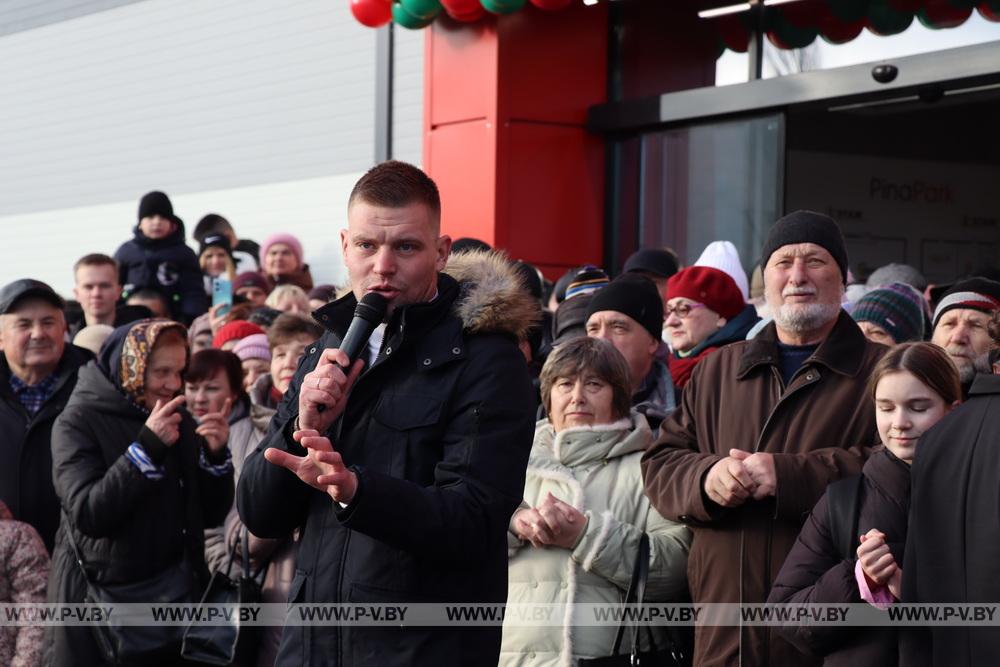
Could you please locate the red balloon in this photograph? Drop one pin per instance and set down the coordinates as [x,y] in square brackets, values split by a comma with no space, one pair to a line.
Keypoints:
[989,13]
[372,13]
[456,8]
[470,17]
[551,5]
[836,32]
[941,14]
[733,33]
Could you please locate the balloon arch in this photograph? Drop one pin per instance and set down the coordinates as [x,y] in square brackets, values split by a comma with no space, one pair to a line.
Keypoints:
[791,25]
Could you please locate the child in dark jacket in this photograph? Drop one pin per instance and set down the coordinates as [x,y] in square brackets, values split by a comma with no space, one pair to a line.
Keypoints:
[158,258]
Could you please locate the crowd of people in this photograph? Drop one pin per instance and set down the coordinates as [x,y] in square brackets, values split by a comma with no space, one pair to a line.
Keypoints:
[500,438]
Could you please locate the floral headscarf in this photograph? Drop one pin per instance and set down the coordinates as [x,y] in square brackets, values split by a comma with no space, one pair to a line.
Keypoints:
[125,355]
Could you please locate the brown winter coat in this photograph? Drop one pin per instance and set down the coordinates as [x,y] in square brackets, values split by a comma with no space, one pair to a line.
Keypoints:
[817,428]
[816,572]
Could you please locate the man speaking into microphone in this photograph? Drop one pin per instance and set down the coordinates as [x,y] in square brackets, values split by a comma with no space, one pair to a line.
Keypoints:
[404,467]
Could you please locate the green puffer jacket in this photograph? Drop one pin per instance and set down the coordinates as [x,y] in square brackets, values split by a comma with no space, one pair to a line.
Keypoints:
[595,469]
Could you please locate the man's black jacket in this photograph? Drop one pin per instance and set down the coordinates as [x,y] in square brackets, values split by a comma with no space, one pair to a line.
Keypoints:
[25,447]
[953,542]
[438,431]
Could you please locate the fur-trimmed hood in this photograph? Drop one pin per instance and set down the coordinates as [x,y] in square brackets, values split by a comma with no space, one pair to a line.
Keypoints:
[493,297]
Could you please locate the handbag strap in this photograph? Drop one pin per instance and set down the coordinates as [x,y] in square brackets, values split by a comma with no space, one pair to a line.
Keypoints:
[245,560]
[73,546]
[636,591]
[245,538]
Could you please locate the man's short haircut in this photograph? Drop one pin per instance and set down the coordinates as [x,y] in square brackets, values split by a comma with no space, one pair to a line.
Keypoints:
[96,259]
[584,356]
[213,223]
[150,294]
[289,326]
[396,184]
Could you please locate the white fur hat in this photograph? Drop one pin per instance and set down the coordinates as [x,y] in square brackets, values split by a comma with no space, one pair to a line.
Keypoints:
[724,256]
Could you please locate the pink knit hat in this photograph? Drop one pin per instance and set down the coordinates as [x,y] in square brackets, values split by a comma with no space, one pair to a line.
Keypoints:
[253,347]
[287,239]
[237,329]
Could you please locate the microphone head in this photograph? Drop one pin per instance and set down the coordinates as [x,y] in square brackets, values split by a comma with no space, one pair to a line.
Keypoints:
[372,307]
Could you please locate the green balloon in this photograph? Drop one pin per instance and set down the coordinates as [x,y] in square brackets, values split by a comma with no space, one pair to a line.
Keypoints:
[883,20]
[790,36]
[426,10]
[848,11]
[502,6]
[405,19]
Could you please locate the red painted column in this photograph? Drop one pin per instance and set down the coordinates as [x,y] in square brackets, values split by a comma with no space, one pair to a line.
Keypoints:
[505,101]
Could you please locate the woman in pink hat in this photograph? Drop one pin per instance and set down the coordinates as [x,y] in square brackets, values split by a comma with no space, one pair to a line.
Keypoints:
[282,263]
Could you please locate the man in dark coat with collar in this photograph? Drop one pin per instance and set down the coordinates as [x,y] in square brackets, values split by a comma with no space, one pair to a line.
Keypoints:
[406,480]
[763,427]
[953,541]
[37,376]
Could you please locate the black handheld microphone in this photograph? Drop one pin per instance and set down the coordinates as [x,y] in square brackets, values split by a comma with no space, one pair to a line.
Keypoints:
[368,315]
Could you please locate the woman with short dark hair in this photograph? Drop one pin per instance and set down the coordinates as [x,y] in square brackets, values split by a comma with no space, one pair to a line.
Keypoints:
[576,535]
[213,377]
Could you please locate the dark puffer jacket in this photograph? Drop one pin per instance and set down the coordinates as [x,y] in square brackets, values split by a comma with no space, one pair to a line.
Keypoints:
[128,527]
[25,451]
[166,265]
[815,571]
[438,431]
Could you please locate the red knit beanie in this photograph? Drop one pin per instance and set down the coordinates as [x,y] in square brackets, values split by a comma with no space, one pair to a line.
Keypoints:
[717,290]
[235,330]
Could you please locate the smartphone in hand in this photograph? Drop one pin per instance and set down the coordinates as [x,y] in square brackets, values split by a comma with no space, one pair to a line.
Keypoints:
[222,293]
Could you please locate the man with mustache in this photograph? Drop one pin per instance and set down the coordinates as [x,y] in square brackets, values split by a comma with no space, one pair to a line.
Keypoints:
[37,375]
[763,426]
[961,326]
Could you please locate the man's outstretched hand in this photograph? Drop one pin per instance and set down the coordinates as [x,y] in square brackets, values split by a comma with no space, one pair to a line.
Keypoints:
[322,468]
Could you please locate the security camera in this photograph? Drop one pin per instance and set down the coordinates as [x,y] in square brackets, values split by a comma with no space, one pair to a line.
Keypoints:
[885,73]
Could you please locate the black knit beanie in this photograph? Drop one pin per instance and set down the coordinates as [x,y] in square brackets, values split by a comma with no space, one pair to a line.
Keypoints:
[634,295]
[156,203]
[214,241]
[807,227]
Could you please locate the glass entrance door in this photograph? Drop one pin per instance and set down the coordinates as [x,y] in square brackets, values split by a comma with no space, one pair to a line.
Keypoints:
[720,181]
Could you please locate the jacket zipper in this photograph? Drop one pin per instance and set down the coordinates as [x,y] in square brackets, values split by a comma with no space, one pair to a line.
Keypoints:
[781,399]
[767,556]
[341,596]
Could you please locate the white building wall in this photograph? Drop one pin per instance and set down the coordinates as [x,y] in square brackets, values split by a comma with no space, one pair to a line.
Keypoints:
[261,111]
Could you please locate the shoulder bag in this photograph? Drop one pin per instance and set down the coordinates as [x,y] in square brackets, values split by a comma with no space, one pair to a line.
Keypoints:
[127,643]
[670,656]
[228,644]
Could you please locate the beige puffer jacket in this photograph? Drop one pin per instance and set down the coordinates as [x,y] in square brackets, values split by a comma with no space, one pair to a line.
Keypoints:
[595,469]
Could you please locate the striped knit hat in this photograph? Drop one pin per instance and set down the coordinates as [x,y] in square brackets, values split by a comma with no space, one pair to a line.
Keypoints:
[975,294]
[897,308]
[587,280]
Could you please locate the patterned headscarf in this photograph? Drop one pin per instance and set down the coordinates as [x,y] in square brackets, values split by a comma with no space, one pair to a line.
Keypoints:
[125,355]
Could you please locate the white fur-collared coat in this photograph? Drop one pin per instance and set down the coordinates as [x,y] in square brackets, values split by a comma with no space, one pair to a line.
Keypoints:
[596,470]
